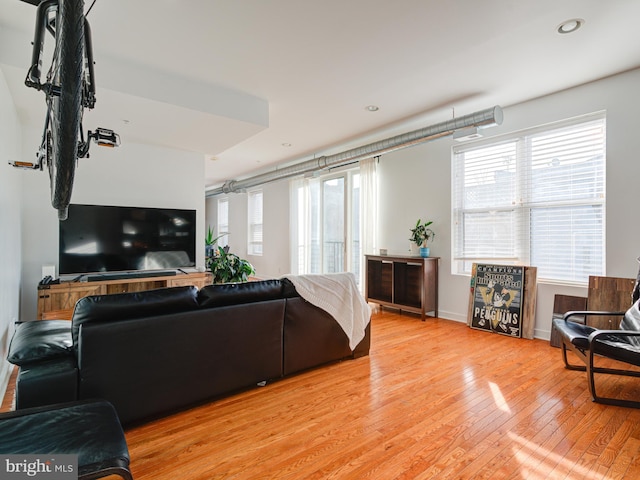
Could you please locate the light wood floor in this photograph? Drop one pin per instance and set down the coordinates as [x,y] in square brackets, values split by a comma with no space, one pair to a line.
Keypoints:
[434,399]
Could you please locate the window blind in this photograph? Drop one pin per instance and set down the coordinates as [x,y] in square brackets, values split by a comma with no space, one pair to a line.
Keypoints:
[536,197]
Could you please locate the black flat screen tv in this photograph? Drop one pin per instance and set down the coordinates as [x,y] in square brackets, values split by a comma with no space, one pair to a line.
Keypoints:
[98,238]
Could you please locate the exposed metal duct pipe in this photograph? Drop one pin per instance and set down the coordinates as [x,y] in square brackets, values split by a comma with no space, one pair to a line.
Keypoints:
[484,118]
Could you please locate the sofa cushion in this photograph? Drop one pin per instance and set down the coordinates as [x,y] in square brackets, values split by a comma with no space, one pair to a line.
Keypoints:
[46,383]
[40,340]
[631,321]
[223,294]
[288,289]
[126,306]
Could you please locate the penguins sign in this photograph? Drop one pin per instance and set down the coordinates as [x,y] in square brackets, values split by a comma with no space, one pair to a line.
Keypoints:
[497,298]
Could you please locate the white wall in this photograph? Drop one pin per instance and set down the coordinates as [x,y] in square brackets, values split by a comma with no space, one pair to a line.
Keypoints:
[10,240]
[130,175]
[416,183]
[274,261]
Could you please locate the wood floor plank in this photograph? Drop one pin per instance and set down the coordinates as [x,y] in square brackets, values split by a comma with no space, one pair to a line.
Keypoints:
[433,400]
[624,461]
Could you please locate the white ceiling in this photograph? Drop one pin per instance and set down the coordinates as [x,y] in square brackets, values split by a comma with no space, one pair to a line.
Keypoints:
[235,80]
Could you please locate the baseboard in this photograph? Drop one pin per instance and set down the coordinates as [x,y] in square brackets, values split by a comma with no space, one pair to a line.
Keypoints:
[541,334]
[445,315]
[5,375]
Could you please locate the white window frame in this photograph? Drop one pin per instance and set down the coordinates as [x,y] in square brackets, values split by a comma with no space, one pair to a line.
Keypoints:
[255,230]
[513,214]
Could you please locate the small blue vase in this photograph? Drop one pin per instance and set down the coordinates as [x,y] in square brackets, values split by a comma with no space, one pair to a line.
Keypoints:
[424,252]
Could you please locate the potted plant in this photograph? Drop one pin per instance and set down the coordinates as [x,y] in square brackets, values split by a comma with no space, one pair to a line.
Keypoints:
[209,242]
[227,267]
[420,235]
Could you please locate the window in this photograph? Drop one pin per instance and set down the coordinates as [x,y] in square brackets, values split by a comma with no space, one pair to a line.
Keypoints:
[223,222]
[254,246]
[326,214]
[533,198]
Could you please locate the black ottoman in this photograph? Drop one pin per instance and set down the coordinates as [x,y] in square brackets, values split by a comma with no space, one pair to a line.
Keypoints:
[89,429]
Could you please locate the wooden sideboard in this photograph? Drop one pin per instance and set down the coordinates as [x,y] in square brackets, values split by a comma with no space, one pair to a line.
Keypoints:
[407,283]
[57,300]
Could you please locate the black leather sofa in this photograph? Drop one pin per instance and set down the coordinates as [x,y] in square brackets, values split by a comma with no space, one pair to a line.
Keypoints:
[150,353]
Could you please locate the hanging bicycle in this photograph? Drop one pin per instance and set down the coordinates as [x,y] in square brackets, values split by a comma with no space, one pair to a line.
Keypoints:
[69,87]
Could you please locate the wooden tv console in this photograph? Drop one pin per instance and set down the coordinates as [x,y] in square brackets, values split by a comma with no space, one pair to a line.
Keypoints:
[57,300]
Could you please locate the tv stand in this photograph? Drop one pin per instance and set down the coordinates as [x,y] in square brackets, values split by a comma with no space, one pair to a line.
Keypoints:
[58,300]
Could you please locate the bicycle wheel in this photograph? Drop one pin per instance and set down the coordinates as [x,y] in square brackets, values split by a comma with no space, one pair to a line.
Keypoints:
[66,108]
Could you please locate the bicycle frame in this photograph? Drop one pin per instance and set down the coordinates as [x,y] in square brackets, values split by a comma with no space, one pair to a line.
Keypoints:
[46,22]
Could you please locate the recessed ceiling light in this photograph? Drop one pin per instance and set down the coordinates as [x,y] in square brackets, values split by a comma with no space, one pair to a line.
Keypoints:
[570,26]
[371,108]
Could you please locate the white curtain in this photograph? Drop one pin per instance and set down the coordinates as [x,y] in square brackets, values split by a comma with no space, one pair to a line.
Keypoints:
[294,187]
[369,206]
[300,201]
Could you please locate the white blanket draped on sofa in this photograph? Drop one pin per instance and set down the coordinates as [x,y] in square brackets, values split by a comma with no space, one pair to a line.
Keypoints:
[338,295]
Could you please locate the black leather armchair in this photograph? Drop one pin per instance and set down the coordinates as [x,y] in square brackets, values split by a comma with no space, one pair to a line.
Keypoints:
[589,343]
